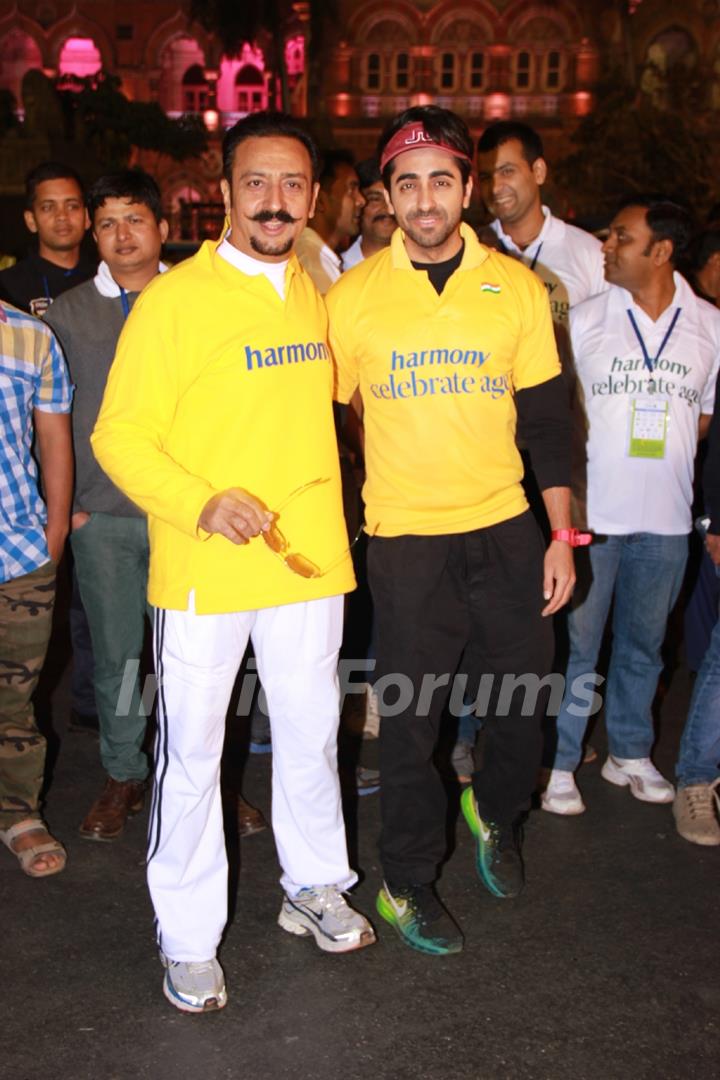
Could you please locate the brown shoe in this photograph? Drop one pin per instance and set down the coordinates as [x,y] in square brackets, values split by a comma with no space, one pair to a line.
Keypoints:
[250,819]
[108,814]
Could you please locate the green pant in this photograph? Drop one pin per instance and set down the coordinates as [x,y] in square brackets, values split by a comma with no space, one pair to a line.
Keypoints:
[111,561]
[26,606]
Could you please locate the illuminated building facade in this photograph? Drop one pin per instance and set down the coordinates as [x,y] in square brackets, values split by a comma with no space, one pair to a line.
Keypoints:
[487,60]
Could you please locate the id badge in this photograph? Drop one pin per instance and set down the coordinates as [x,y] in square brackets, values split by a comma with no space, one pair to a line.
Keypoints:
[648,427]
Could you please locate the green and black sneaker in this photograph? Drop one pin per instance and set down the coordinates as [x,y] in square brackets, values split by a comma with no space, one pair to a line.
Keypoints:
[497,857]
[419,918]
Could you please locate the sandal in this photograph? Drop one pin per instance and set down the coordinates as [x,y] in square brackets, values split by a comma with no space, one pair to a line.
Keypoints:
[30,855]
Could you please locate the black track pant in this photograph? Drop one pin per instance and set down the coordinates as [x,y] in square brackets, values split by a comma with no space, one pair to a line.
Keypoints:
[473,597]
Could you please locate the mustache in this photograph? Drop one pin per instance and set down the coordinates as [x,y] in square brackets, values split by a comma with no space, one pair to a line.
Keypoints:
[437,215]
[265,216]
[383,217]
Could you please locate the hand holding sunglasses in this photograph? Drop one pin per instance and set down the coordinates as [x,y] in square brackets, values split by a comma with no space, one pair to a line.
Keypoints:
[234,514]
[297,563]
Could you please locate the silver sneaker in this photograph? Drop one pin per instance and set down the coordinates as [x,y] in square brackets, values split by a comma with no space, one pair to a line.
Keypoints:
[645,782]
[561,795]
[324,912]
[194,986]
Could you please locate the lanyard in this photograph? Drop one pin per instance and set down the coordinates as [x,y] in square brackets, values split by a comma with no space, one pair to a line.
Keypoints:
[652,364]
[536,255]
[125,303]
[46,283]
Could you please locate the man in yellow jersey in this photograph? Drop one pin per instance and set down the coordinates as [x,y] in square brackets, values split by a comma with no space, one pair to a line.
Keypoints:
[451,345]
[217,421]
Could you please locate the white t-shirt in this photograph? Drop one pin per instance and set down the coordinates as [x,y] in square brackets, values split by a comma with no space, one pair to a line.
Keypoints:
[320,261]
[567,259]
[353,255]
[627,494]
[273,271]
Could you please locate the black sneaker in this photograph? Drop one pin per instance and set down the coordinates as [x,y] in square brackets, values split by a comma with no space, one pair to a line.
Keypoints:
[497,857]
[419,918]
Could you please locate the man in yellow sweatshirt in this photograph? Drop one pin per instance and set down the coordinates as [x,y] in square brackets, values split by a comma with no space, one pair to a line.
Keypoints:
[217,421]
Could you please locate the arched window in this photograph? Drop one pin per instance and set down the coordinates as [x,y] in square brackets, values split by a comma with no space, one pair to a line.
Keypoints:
[18,54]
[553,70]
[673,49]
[244,72]
[79,56]
[402,71]
[295,55]
[523,70]
[180,56]
[195,90]
[295,61]
[448,67]
[250,90]
[476,71]
[373,71]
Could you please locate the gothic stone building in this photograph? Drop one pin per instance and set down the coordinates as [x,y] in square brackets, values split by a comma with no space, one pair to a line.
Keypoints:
[487,59]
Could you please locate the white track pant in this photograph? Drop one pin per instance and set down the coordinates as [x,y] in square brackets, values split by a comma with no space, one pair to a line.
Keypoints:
[197,660]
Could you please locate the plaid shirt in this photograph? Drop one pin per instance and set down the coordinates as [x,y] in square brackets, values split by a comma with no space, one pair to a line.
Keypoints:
[32,376]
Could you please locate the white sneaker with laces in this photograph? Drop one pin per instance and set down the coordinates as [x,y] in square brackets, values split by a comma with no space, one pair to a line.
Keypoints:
[324,912]
[561,796]
[646,783]
[695,813]
[194,985]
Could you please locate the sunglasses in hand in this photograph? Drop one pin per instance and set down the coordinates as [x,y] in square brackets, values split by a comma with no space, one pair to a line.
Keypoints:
[280,546]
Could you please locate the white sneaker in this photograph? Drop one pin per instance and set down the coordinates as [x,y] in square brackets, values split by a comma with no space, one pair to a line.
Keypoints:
[646,783]
[324,912]
[695,813]
[194,986]
[561,796]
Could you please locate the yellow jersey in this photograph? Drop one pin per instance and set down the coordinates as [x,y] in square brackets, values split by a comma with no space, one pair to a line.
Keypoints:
[437,375]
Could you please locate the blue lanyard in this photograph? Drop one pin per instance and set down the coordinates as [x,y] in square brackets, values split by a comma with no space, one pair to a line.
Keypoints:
[652,364]
[125,302]
[536,255]
[46,283]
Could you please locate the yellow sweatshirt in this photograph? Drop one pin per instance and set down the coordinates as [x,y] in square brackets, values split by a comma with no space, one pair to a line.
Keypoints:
[219,383]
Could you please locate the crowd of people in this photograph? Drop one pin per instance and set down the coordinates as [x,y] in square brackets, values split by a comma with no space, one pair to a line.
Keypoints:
[524,403]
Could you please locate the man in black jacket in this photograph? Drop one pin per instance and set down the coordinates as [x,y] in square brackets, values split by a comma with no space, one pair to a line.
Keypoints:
[55,213]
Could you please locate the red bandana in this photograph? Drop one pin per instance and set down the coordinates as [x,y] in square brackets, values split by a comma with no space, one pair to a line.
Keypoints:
[413,137]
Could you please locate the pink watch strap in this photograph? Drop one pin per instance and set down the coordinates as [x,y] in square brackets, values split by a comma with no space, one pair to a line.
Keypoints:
[573,537]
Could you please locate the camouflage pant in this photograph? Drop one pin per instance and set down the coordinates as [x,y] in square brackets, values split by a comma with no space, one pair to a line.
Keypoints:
[26,606]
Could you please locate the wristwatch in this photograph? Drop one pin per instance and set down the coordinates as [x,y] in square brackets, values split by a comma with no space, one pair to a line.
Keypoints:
[573,537]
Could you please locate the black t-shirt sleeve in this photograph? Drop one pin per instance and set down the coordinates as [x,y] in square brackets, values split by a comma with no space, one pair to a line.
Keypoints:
[544,427]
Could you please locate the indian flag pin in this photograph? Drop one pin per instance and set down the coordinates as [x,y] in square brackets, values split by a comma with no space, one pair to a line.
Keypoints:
[488,287]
